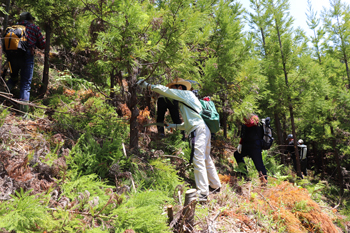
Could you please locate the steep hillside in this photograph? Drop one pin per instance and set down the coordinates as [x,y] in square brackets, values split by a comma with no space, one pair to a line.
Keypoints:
[35,157]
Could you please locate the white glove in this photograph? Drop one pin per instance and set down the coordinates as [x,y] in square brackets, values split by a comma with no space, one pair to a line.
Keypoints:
[239,148]
[170,126]
[142,83]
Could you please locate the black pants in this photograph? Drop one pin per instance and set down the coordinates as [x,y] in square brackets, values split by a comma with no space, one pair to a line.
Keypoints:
[17,61]
[163,105]
[252,150]
[303,165]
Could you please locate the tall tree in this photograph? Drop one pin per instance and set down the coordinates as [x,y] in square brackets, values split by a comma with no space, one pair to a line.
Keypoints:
[223,59]
[337,26]
[260,22]
[318,33]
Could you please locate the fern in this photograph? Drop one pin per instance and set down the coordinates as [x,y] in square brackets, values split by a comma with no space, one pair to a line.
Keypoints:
[165,176]
[25,213]
[142,213]
[88,156]
[90,183]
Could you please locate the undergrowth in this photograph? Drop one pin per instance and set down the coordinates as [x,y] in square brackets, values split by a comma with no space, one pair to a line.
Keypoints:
[102,189]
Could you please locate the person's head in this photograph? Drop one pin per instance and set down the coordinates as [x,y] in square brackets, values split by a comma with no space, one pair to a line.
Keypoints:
[251,119]
[180,84]
[301,142]
[290,137]
[26,16]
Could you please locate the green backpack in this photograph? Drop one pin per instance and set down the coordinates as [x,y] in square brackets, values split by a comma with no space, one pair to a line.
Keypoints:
[209,114]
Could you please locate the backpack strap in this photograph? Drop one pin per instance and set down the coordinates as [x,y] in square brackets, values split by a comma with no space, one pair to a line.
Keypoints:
[189,107]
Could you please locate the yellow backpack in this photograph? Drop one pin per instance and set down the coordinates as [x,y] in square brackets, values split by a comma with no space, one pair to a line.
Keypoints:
[15,38]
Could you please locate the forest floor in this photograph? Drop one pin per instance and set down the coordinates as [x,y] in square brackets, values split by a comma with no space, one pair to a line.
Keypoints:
[241,206]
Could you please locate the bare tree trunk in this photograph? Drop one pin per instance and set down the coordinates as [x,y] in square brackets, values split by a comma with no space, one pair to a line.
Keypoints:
[297,159]
[2,75]
[315,157]
[112,78]
[279,134]
[337,160]
[43,88]
[132,105]
[323,165]
[224,122]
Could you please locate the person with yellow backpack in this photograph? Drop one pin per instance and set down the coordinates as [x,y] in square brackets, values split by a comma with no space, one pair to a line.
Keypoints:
[19,44]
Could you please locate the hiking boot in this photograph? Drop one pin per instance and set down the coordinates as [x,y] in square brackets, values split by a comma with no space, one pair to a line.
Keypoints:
[24,108]
[202,198]
[263,180]
[214,191]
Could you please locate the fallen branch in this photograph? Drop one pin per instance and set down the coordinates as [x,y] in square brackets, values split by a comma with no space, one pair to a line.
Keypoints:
[267,201]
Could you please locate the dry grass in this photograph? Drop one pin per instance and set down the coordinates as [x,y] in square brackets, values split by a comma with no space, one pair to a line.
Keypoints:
[277,207]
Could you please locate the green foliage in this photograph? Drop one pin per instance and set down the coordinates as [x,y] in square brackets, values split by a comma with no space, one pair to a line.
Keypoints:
[25,213]
[88,156]
[301,206]
[165,176]
[65,78]
[86,188]
[143,213]
[3,113]
[272,164]
[94,116]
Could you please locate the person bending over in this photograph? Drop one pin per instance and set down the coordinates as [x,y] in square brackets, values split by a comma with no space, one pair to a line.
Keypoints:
[205,174]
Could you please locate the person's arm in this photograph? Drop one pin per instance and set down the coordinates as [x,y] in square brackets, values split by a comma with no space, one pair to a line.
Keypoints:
[176,126]
[40,41]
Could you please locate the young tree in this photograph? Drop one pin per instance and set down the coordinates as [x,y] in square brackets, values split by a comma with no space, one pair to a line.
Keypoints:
[151,40]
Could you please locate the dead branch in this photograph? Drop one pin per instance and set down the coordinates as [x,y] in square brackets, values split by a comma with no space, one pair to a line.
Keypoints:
[266,201]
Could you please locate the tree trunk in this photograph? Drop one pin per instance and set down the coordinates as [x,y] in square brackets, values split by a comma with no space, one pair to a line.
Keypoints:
[337,160]
[45,84]
[2,75]
[112,78]
[132,105]
[315,157]
[279,134]
[323,174]
[295,139]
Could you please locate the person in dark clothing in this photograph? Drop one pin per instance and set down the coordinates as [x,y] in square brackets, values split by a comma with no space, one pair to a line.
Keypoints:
[251,145]
[23,61]
[290,147]
[163,104]
[291,151]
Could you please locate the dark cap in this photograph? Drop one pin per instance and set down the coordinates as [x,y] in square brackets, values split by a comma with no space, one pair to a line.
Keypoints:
[289,136]
[26,16]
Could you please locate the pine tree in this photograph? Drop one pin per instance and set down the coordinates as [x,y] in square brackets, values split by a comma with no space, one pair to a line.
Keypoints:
[150,40]
[225,62]
[337,26]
